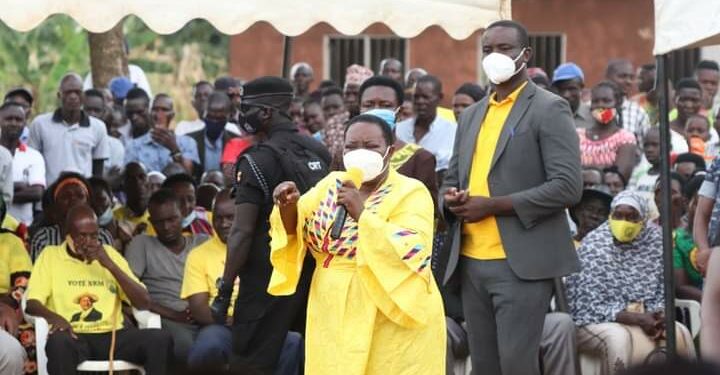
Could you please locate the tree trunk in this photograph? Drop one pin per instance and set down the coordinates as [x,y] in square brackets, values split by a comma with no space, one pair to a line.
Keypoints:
[108,58]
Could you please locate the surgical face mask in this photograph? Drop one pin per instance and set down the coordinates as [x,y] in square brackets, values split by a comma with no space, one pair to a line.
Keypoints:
[187,220]
[625,231]
[500,68]
[371,163]
[105,218]
[604,115]
[385,114]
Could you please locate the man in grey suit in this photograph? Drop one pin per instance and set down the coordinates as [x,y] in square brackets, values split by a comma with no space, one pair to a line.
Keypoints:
[514,170]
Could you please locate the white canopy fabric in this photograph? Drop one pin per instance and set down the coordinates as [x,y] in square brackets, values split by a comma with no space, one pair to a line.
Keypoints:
[407,18]
[685,23]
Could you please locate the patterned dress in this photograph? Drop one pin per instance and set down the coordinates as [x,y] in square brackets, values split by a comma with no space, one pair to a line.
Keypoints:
[602,153]
[374,307]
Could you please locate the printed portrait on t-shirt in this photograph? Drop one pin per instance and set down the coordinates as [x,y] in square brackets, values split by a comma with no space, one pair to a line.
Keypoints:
[87,312]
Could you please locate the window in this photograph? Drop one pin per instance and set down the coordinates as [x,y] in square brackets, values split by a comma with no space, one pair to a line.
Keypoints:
[682,63]
[548,51]
[366,50]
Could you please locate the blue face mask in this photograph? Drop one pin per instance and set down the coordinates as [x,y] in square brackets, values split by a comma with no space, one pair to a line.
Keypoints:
[106,217]
[187,220]
[385,114]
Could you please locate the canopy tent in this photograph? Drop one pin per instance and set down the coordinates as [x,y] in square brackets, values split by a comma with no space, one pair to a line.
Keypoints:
[407,18]
[678,24]
[683,24]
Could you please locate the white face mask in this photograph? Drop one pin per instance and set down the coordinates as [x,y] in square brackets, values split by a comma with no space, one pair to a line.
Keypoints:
[500,68]
[371,163]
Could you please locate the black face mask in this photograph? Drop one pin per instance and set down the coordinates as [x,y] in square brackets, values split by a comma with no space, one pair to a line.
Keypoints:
[252,123]
[214,128]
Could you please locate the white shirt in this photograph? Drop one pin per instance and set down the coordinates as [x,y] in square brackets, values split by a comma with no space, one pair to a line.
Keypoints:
[117,154]
[439,139]
[678,142]
[137,76]
[6,184]
[68,147]
[187,127]
[28,167]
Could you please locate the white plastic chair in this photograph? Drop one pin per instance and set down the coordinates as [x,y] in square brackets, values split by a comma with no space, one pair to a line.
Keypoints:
[145,319]
[690,315]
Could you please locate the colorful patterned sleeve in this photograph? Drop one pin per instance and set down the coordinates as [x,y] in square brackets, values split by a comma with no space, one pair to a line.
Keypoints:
[287,251]
[394,251]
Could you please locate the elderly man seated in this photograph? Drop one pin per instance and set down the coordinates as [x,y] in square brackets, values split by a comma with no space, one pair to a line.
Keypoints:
[78,287]
[617,298]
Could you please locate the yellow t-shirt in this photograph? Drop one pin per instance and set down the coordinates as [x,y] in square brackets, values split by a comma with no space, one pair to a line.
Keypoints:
[10,223]
[15,264]
[204,265]
[446,113]
[84,294]
[481,240]
[127,219]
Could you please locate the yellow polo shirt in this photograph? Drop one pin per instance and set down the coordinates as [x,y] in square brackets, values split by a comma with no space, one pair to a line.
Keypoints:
[481,240]
[128,220]
[204,265]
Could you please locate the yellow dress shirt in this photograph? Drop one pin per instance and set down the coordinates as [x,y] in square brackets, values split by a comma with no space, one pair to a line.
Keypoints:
[481,240]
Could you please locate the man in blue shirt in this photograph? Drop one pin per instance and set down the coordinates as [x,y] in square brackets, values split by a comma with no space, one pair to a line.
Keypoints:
[211,140]
[152,146]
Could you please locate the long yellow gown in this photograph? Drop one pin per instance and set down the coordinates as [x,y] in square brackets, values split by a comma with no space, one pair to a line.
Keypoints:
[374,307]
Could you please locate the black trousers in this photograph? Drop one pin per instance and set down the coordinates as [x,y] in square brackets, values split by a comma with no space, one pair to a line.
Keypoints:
[151,348]
[257,344]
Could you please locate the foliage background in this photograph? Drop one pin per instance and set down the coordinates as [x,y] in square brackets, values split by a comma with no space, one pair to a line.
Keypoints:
[38,59]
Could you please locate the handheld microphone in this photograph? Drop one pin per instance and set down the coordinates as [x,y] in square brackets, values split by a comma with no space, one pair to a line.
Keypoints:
[356,176]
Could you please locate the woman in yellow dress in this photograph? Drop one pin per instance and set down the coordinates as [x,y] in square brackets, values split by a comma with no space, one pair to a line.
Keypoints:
[374,307]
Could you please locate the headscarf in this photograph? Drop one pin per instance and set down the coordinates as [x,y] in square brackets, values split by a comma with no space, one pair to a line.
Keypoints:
[67,182]
[357,74]
[632,199]
[157,174]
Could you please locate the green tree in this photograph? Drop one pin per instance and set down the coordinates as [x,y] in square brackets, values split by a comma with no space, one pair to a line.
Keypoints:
[38,59]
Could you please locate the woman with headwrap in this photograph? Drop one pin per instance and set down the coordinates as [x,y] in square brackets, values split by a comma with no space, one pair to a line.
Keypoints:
[70,190]
[617,299]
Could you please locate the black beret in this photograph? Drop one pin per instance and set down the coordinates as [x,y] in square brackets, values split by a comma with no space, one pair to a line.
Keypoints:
[267,87]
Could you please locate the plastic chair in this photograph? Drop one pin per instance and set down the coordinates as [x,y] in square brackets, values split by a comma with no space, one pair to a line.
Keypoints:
[689,315]
[145,319]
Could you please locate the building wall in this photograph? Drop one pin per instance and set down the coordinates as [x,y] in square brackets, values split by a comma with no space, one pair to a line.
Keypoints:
[595,31]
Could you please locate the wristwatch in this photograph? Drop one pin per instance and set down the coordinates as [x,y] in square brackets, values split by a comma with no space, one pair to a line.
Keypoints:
[219,284]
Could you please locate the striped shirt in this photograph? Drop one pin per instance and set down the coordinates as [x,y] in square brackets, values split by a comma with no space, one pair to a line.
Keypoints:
[52,236]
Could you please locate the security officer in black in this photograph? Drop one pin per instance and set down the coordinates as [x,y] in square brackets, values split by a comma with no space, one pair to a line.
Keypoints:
[261,321]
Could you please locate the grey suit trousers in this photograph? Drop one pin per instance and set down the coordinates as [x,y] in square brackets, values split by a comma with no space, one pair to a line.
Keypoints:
[505,317]
[558,348]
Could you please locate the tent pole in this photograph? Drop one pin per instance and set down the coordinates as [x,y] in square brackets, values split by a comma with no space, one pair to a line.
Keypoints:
[665,211]
[287,55]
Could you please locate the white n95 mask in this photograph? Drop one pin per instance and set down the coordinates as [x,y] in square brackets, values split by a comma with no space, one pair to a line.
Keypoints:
[369,162]
[500,68]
